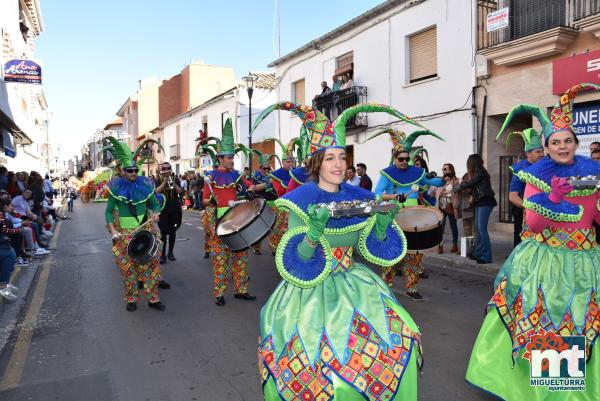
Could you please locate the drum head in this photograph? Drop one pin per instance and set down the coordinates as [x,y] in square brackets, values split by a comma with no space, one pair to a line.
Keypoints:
[240,216]
[418,218]
[140,244]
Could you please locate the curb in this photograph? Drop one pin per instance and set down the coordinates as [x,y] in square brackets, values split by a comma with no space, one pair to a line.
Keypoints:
[459,262]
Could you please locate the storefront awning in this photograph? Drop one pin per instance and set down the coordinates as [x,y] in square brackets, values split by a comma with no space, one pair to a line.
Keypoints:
[19,137]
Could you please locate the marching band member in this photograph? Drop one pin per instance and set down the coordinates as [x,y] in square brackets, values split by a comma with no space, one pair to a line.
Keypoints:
[262,176]
[171,215]
[222,185]
[134,199]
[534,151]
[548,286]
[332,329]
[402,181]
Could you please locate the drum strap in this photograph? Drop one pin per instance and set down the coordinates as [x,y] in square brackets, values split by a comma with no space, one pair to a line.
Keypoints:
[134,212]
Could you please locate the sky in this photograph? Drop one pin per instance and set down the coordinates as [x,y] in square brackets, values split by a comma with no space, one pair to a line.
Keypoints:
[94,52]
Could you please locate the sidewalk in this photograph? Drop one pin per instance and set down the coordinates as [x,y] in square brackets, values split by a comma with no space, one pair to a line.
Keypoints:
[22,277]
[502,246]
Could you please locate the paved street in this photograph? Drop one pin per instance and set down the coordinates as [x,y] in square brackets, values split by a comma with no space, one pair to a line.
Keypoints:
[86,346]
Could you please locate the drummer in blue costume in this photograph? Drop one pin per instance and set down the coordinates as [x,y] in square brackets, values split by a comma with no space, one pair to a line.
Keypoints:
[534,151]
[402,181]
[332,330]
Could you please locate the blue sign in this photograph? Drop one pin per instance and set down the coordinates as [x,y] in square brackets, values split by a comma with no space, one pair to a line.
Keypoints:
[586,125]
[24,71]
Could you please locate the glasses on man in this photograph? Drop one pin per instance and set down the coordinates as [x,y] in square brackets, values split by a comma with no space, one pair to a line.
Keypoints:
[403,159]
[132,170]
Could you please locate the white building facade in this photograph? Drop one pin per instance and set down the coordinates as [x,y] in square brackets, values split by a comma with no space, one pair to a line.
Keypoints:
[180,133]
[23,114]
[412,55]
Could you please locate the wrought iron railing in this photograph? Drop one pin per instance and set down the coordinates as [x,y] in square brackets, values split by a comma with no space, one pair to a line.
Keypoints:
[528,17]
[332,104]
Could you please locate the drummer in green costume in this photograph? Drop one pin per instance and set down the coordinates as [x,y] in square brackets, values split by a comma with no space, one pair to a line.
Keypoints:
[546,293]
[332,329]
[134,199]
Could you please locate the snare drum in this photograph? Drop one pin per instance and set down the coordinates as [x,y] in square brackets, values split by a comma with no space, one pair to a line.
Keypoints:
[422,227]
[245,224]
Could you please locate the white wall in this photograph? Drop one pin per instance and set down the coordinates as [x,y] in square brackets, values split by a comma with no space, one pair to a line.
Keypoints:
[190,125]
[380,63]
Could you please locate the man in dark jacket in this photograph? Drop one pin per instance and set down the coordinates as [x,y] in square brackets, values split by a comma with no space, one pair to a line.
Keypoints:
[365,180]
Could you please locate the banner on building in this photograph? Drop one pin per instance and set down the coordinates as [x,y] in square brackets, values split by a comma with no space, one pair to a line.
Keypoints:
[569,71]
[24,71]
[586,124]
[497,19]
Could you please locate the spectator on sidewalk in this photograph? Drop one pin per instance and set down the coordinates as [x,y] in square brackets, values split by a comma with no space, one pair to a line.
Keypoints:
[484,201]
[463,208]
[197,191]
[365,180]
[351,177]
[71,196]
[445,201]
[21,180]
[7,263]
[3,178]
[47,187]
[12,188]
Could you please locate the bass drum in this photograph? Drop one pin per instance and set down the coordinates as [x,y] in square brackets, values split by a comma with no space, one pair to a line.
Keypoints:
[422,227]
[245,224]
[143,247]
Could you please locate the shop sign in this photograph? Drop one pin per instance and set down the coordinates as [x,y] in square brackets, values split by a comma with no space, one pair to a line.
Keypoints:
[24,71]
[573,70]
[586,125]
[497,20]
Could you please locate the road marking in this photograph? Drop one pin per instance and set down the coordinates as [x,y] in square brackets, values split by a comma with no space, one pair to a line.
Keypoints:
[16,364]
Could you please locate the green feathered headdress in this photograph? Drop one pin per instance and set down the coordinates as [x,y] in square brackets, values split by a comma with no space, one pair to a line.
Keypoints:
[532,138]
[227,145]
[265,158]
[125,158]
[403,142]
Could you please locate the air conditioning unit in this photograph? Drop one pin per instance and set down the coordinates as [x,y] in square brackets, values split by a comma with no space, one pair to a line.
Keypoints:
[481,66]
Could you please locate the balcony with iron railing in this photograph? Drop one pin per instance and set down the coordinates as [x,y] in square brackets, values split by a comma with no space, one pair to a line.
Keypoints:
[536,28]
[174,152]
[333,103]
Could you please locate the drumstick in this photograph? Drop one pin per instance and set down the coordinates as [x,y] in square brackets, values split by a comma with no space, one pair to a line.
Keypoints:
[232,203]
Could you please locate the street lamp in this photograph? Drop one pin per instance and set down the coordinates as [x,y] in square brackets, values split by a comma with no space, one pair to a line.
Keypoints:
[249,81]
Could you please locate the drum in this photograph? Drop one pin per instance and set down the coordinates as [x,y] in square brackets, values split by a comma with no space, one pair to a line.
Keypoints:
[422,227]
[245,224]
[143,247]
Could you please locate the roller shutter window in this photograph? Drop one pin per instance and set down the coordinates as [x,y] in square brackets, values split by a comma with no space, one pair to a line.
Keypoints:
[423,55]
[298,87]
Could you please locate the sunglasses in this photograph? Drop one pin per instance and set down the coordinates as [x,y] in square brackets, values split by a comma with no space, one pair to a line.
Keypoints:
[132,170]
[403,159]
[166,169]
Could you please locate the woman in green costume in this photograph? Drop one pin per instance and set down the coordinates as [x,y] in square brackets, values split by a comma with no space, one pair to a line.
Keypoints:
[546,296]
[332,329]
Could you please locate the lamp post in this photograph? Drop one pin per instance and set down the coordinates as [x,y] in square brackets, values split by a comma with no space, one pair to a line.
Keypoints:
[249,80]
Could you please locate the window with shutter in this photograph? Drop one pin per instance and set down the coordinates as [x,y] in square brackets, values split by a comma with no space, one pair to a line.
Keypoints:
[298,91]
[344,64]
[423,55]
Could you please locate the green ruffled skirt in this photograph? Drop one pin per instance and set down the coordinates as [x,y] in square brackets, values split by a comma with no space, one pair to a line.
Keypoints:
[538,287]
[345,325]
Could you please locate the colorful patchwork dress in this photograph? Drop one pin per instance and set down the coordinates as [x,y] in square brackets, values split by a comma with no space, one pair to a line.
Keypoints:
[332,329]
[548,286]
